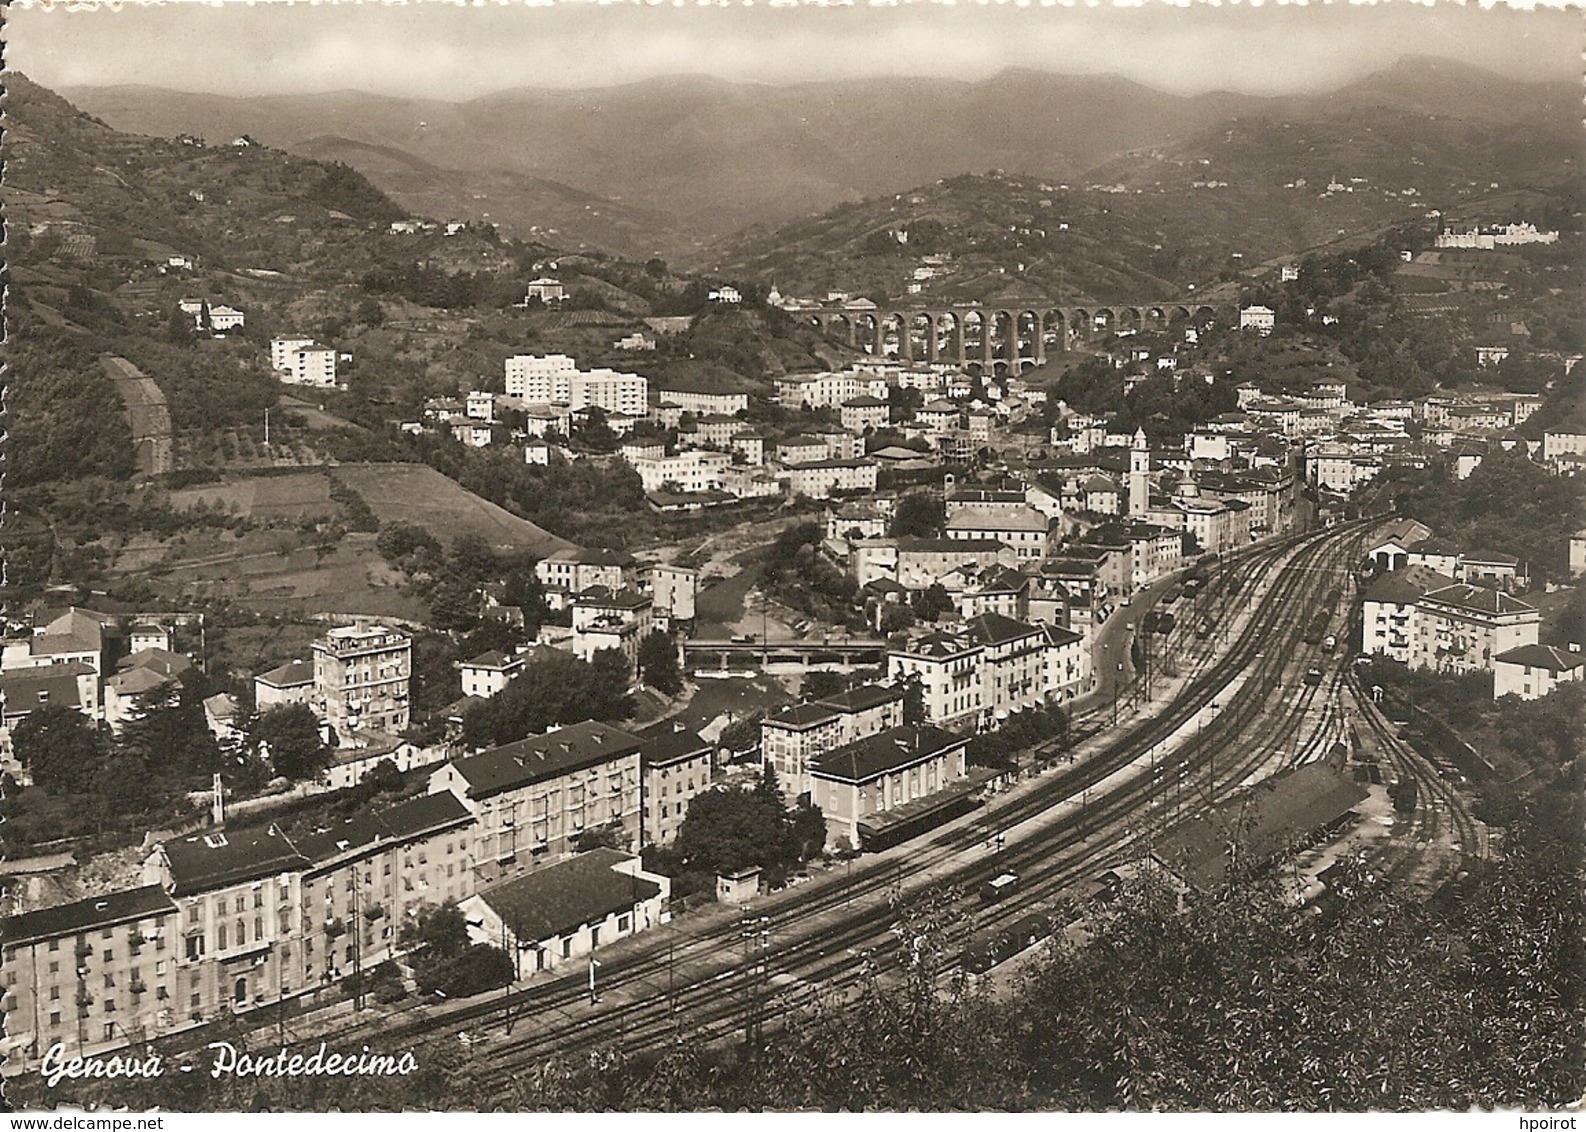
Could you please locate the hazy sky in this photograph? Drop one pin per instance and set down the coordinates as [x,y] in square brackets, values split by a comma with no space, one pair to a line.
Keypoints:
[452,51]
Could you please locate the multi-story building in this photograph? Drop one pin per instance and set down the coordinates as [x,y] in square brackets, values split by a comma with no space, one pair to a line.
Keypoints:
[705,404]
[825,478]
[866,710]
[857,785]
[291,683]
[673,590]
[793,738]
[605,620]
[677,766]
[1534,671]
[1023,528]
[227,921]
[93,975]
[1068,664]
[1258,318]
[576,569]
[827,390]
[306,363]
[556,379]
[488,673]
[917,563]
[864,414]
[1012,664]
[1387,607]
[1154,551]
[1462,628]
[947,667]
[533,799]
[283,349]
[361,676]
[692,472]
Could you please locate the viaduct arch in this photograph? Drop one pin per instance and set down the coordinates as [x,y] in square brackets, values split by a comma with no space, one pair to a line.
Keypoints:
[996,338]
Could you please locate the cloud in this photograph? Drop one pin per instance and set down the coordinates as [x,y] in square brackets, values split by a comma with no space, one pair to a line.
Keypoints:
[455,51]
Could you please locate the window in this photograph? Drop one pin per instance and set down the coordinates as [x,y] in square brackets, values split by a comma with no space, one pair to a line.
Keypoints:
[220,938]
[110,1006]
[55,945]
[55,1017]
[159,968]
[110,956]
[110,981]
[110,1031]
[623,923]
[108,933]
[55,994]
[192,913]
[220,906]
[258,898]
[55,968]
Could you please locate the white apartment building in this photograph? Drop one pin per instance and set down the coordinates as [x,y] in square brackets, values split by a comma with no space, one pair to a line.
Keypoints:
[282,349]
[556,379]
[1534,671]
[705,404]
[308,364]
[1463,628]
[823,479]
[828,390]
[1387,607]
[690,472]
[361,675]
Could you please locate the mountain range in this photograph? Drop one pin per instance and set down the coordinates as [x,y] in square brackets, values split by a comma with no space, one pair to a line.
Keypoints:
[675,166]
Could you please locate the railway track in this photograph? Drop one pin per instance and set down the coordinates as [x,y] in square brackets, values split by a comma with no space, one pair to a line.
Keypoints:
[823,938]
[826,959]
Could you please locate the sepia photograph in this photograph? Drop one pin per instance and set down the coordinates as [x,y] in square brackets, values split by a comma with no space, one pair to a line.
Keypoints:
[641,557]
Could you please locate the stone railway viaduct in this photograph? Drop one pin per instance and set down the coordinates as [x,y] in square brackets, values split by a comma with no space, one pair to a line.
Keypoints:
[1000,338]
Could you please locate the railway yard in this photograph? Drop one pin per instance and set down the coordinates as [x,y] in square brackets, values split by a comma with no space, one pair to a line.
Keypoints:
[1237,710]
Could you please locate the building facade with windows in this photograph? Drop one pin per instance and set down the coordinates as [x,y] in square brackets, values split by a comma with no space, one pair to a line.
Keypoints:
[361,678]
[534,798]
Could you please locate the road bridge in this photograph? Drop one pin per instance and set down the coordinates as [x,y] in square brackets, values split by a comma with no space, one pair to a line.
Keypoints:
[847,653]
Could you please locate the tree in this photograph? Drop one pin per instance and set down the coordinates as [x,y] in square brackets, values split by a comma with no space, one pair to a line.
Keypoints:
[658,662]
[932,603]
[168,734]
[454,605]
[61,748]
[398,541]
[291,736]
[554,688]
[918,516]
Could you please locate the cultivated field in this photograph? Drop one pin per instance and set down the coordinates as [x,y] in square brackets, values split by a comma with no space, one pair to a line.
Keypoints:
[301,495]
[415,493]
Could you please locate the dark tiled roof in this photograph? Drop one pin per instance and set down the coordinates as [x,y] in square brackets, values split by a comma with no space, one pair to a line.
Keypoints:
[938,645]
[1543,656]
[1478,599]
[543,756]
[894,748]
[1261,820]
[995,629]
[1405,587]
[663,745]
[210,860]
[862,698]
[21,688]
[85,915]
[293,672]
[562,898]
[491,659]
[800,716]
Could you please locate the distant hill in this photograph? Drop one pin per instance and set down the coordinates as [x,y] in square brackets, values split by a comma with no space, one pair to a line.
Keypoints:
[705,157]
[1203,210]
